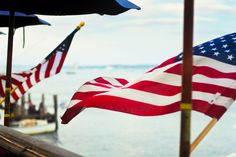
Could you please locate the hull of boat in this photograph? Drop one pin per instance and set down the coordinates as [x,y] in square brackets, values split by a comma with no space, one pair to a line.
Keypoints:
[38,129]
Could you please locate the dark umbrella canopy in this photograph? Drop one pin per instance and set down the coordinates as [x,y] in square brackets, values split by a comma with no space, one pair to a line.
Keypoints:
[21,19]
[73,7]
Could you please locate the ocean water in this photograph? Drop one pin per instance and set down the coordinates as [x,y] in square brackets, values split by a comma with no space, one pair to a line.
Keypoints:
[103,133]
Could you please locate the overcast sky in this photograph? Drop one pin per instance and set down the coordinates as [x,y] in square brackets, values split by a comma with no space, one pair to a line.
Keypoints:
[148,36]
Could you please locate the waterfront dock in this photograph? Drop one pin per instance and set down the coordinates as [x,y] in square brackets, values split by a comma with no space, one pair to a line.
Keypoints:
[14,143]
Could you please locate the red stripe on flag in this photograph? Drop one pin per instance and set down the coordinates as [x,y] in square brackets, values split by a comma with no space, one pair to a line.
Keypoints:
[122,81]
[28,83]
[203,70]
[15,96]
[156,88]
[37,73]
[102,80]
[49,66]
[213,89]
[21,88]
[216,111]
[15,81]
[85,95]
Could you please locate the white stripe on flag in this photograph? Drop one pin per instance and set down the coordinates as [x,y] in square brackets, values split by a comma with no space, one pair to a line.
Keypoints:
[164,78]
[25,86]
[229,83]
[56,63]
[43,70]
[142,96]
[208,62]
[175,80]
[208,97]
[92,88]
[155,73]
[32,79]
[73,102]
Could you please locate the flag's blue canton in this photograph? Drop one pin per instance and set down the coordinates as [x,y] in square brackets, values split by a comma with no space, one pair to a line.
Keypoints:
[62,48]
[222,49]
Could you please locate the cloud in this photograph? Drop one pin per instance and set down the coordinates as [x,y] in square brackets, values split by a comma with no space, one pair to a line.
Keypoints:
[152,7]
[171,13]
[171,8]
[215,6]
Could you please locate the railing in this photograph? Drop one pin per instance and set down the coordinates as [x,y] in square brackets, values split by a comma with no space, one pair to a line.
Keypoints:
[15,143]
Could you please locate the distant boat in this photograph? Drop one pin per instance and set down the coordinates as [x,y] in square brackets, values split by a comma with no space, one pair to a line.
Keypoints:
[35,126]
[32,121]
[109,67]
[72,70]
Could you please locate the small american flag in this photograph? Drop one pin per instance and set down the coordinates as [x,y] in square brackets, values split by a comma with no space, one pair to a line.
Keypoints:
[50,66]
[158,91]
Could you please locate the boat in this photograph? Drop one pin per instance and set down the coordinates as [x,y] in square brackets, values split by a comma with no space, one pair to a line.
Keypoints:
[34,126]
[32,121]
[72,70]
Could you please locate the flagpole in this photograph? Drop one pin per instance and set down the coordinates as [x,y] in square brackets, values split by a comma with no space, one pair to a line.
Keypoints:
[186,98]
[203,134]
[7,115]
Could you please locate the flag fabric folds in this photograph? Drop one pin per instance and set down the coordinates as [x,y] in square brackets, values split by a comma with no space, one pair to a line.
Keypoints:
[158,91]
[50,66]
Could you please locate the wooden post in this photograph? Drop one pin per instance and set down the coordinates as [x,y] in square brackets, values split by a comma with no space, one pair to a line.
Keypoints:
[203,134]
[55,111]
[7,115]
[22,106]
[42,107]
[29,98]
[186,98]
[43,100]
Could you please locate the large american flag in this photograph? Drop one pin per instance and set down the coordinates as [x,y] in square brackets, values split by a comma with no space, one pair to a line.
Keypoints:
[158,91]
[50,66]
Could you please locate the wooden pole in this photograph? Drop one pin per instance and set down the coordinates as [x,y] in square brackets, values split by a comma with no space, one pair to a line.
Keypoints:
[7,115]
[55,111]
[203,134]
[42,107]
[29,98]
[186,98]
[43,100]
[22,106]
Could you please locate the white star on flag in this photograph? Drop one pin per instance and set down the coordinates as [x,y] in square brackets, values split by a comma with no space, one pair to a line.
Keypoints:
[230,57]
